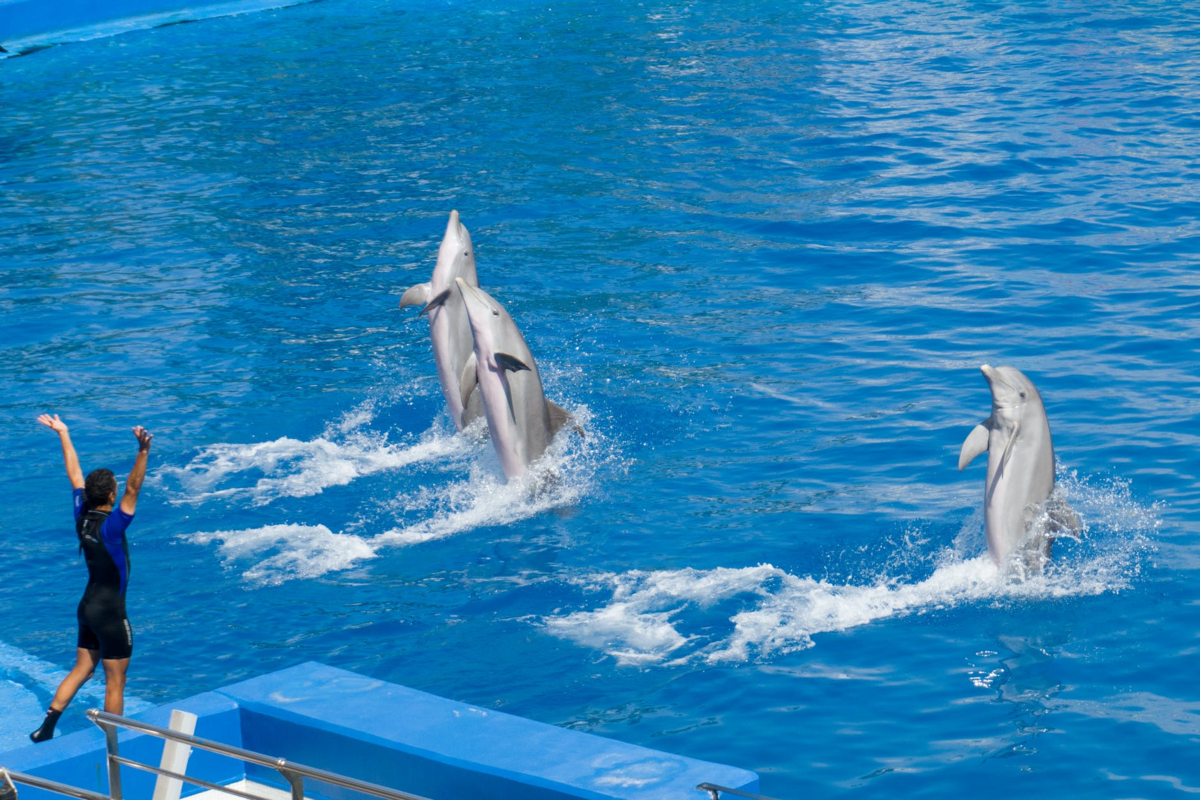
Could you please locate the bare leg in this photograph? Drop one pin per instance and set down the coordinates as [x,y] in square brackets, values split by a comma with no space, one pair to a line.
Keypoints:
[114,684]
[85,665]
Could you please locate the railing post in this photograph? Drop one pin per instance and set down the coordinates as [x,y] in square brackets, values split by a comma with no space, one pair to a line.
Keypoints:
[114,768]
[8,789]
[294,774]
[295,780]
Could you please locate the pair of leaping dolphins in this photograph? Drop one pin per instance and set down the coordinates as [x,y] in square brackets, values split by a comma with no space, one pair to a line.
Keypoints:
[484,366]
[1021,514]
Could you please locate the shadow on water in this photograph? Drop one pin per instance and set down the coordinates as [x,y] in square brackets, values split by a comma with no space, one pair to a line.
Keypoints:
[1027,678]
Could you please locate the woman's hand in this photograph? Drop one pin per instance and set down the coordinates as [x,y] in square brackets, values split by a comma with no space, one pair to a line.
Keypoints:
[143,436]
[53,423]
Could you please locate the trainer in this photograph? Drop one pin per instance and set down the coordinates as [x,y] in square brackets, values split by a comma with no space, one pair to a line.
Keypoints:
[105,636]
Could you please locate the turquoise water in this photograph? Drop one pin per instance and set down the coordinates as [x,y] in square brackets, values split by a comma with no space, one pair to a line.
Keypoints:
[760,251]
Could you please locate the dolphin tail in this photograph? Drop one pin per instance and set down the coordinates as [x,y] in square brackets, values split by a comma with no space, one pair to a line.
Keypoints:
[559,417]
[415,296]
[975,443]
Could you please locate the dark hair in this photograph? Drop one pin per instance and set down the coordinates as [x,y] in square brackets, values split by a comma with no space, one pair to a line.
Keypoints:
[100,484]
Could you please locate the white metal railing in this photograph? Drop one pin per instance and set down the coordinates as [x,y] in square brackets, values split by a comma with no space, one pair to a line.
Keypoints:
[715,791]
[293,773]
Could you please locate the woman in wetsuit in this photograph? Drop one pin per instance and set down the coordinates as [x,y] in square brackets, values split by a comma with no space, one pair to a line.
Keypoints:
[105,635]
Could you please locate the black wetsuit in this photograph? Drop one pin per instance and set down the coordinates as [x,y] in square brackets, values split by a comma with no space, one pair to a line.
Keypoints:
[103,623]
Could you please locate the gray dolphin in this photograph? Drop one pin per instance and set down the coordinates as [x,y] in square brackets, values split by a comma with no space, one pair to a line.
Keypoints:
[522,422]
[1020,471]
[448,325]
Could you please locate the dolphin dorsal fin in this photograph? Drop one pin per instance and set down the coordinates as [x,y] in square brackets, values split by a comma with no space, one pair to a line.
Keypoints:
[468,379]
[975,443]
[435,302]
[1062,518]
[559,416]
[510,363]
[416,295]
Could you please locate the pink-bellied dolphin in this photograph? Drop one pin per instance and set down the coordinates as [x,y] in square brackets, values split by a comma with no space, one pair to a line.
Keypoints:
[1019,513]
[448,325]
[522,422]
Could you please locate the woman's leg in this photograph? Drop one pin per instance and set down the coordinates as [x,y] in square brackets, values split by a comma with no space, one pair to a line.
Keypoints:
[85,665]
[114,684]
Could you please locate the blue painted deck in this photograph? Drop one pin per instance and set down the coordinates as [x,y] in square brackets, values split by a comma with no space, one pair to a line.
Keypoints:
[32,24]
[388,734]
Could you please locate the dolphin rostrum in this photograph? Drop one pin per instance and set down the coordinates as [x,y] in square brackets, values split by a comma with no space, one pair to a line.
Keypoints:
[448,325]
[522,422]
[1020,471]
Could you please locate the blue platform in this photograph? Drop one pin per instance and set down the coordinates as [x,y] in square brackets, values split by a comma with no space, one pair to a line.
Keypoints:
[380,732]
[36,23]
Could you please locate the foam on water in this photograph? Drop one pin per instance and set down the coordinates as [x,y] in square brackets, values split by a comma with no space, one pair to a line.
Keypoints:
[664,616]
[280,552]
[345,451]
[276,553]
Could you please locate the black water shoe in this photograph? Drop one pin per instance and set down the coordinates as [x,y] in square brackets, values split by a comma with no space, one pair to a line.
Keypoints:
[47,730]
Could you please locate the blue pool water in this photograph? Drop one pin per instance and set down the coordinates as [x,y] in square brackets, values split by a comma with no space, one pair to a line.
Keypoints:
[760,249]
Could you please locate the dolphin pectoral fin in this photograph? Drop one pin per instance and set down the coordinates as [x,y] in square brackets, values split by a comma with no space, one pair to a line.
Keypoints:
[510,363]
[1008,448]
[415,296]
[512,412]
[468,380]
[559,417]
[435,302]
[975,443]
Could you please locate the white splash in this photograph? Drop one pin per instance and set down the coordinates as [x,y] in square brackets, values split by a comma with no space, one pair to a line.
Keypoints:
[667,616]
[344,452]
[288,551]
[562,477]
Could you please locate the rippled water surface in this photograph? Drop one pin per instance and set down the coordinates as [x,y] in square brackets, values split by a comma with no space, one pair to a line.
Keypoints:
[759,249]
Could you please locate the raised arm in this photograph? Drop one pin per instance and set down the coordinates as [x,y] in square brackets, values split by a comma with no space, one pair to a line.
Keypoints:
[133,484]
[69,457]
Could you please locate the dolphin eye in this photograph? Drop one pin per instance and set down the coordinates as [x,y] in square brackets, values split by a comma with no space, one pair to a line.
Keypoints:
[1022,395]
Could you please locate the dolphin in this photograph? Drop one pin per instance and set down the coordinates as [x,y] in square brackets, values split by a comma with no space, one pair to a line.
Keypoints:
[1020,471]
[522,422]
[448,325]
